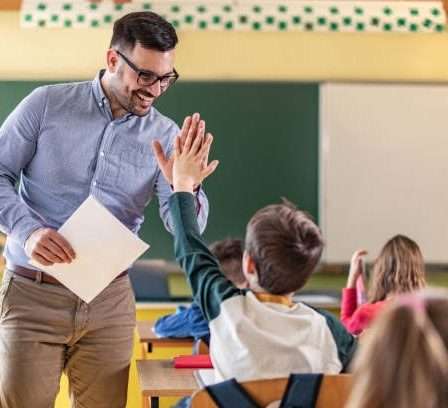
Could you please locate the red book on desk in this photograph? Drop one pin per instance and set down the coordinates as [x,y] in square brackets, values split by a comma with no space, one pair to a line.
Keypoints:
[197,361]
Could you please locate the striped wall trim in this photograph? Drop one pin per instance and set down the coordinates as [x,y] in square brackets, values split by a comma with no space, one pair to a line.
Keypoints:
[246,15]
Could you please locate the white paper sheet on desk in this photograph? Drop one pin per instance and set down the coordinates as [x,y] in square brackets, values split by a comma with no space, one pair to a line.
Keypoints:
[104,248]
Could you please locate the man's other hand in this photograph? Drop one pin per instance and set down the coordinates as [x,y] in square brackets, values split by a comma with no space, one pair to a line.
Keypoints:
[48,247]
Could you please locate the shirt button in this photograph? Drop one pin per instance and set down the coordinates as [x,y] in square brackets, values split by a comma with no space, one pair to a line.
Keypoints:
[102,154]
[94,183]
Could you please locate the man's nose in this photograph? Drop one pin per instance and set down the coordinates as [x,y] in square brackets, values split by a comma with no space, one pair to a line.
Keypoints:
[155,89]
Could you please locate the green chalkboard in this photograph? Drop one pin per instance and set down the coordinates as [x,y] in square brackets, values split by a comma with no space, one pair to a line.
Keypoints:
[266,139]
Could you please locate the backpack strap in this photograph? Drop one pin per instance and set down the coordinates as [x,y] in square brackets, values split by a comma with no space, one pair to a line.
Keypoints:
[230,394]
[301,391]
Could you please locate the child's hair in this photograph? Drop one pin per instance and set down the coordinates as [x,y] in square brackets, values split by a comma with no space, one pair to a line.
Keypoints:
[403,360]
[230,255]
[399,268]
[285,245]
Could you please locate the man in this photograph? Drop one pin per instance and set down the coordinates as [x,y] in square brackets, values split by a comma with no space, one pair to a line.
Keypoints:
[61,144]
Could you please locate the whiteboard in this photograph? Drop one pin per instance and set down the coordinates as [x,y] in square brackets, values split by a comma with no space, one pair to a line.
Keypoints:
[383,167]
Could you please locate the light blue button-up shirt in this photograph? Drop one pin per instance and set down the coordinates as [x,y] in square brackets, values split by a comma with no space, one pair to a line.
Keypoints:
[62,144]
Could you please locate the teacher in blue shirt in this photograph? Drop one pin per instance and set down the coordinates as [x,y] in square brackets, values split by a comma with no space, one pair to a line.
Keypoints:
[61,144]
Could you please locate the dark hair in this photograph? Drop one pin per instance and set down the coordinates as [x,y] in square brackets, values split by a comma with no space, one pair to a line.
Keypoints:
[286,246]
[399,268]
[146,28]
[230,255]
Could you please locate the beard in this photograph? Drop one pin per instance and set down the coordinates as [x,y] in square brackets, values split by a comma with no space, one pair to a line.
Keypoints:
[140,102]
[134,103]
[137,102]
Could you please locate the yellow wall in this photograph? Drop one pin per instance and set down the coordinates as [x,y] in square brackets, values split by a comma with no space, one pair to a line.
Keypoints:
[77,54]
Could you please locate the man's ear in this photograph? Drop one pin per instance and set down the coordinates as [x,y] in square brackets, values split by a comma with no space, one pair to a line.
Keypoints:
[112,60]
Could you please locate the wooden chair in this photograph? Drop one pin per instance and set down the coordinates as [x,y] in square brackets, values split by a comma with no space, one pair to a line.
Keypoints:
[333,393]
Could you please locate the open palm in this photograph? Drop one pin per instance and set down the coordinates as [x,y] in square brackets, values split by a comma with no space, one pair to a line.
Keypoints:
[192,129]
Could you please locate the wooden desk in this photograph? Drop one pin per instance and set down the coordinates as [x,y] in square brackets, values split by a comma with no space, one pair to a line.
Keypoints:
[149,340]
[158,378]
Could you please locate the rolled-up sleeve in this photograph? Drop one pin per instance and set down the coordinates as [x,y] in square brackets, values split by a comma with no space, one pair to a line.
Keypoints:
[18,141]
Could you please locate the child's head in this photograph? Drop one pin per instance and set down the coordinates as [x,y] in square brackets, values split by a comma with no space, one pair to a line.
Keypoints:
[283,246]
[230,255]
[403,359]
[399,268]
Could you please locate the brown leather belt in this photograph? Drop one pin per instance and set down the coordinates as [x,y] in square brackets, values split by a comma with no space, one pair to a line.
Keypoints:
[46,278]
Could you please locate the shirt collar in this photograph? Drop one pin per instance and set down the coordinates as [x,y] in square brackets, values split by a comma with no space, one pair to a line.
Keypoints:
[98,89]
[101,97]
[270,298]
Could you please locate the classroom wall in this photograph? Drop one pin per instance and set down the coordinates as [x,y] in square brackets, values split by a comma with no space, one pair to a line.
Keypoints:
[388,178]
[211,62]
[206,55]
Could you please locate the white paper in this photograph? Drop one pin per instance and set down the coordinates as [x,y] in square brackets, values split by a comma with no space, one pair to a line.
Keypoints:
[104,248]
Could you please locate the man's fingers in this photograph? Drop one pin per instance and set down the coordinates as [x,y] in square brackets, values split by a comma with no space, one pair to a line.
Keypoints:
[210,169]
[158,152]
[47,254]
[197,143]
[185,126]
[56,250]
[42,260]
[177,149]
[184,131]
[63,244]
[47,246]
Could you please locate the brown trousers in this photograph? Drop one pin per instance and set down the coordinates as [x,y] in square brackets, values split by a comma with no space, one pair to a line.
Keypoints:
[46,329]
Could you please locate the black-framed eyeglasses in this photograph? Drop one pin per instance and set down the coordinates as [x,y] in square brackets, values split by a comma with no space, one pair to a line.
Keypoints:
[149,78]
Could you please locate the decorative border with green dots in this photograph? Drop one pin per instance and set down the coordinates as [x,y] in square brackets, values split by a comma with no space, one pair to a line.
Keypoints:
[246,15]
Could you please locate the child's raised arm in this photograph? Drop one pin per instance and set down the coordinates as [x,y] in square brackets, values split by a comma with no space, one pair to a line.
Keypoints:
[190,168]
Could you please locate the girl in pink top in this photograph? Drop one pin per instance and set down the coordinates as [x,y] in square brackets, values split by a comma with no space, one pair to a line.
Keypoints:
[399,268]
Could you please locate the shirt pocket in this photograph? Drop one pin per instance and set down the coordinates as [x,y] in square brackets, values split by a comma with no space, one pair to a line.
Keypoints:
[137,172]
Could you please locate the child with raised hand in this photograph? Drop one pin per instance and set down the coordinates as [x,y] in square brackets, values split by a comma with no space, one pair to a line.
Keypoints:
[403,359]
[399,268]
[257,332]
